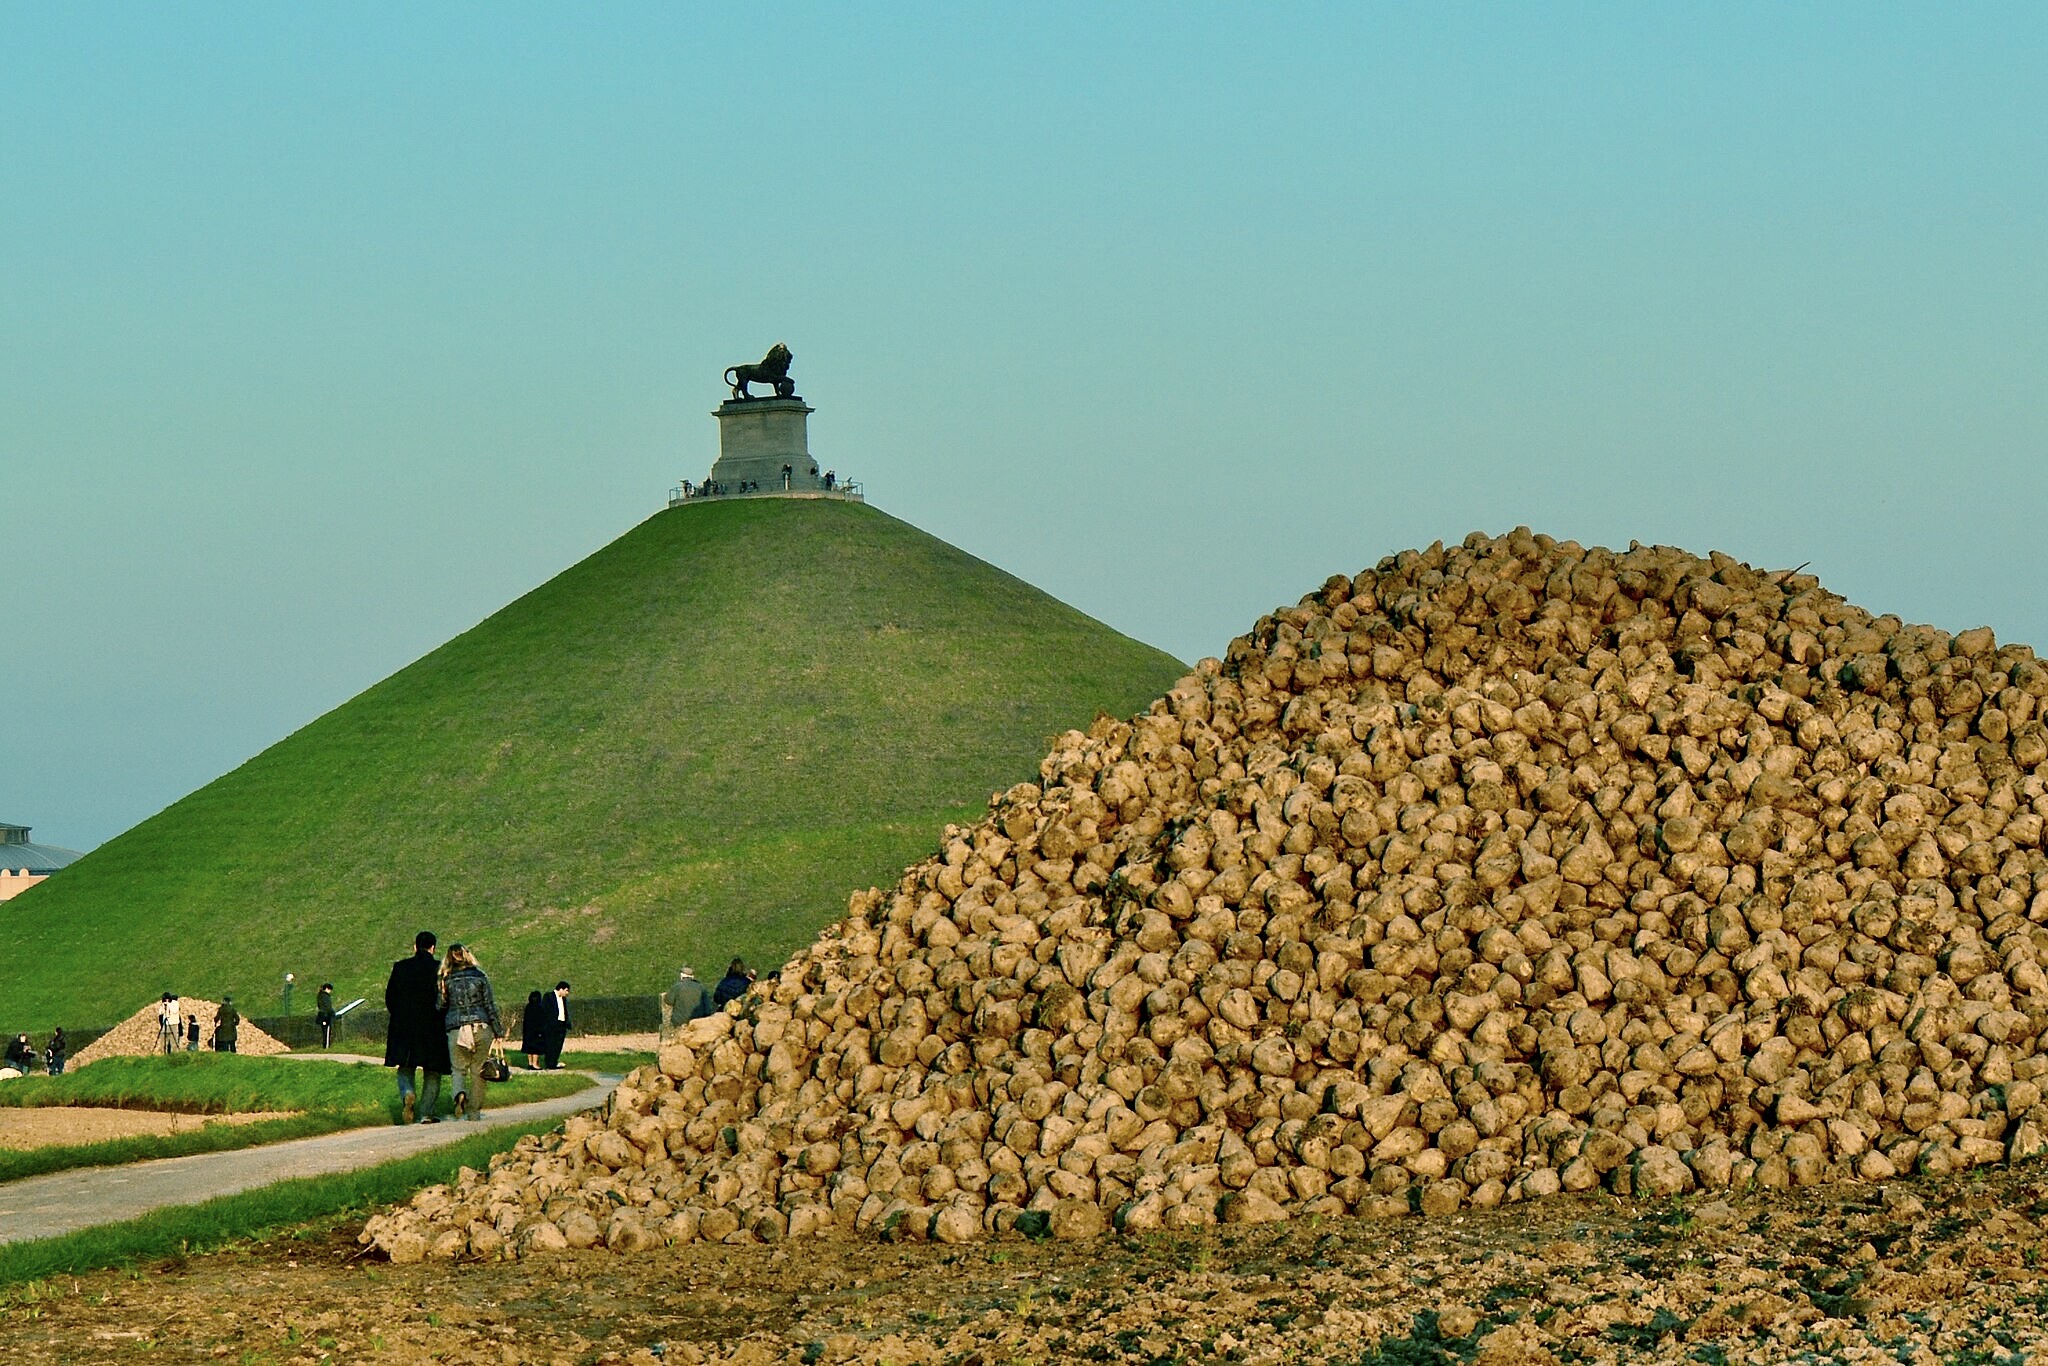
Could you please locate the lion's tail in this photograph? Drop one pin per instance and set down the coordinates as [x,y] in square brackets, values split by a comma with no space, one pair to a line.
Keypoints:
[731,374]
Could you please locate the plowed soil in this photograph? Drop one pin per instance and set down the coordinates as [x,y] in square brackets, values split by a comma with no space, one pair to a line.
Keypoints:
[68,1124]
[1923,1271]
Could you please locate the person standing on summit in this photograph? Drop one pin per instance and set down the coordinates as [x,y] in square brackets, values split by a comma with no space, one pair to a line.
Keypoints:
[416,1041]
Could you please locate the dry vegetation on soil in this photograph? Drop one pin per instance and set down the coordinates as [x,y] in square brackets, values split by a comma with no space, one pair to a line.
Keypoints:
[1497,872]
[74,1124]
[1914,1271]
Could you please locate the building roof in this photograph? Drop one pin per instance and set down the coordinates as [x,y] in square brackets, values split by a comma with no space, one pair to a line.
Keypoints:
[19,855]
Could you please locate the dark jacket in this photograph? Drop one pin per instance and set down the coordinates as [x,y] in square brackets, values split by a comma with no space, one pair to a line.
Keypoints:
[413,997]
[533,1027]
[467,999]
[225,1025]
[688,1000]
[730,987]
[554,1021]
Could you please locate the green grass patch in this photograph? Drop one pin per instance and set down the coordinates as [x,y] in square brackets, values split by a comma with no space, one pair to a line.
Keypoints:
[210,1083]
[327,1096]
[691,746]
[617,1063]
[261,1213]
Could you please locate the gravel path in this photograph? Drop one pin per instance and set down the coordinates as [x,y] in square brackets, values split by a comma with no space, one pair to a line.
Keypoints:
[64,1202]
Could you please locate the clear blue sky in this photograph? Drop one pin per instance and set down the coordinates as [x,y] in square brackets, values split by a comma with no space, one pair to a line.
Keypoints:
[325,331]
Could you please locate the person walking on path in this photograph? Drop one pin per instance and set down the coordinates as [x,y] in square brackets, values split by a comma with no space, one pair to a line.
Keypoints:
[733,985]
[532,1030]
[416,1040]
[225,1026]
[555,1015]
[473,1025]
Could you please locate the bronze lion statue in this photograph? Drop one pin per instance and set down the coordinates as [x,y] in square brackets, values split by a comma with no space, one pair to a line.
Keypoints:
[773,370]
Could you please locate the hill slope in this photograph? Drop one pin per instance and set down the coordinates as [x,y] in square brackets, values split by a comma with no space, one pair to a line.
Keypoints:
[691,745]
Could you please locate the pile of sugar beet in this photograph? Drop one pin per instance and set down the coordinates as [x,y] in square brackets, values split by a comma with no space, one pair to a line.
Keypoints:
[1499,870]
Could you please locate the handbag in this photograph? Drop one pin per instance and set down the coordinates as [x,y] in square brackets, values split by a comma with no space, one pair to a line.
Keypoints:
[495,1067]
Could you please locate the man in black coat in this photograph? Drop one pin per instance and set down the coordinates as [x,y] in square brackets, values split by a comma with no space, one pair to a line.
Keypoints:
[554,1013]
[416,1038]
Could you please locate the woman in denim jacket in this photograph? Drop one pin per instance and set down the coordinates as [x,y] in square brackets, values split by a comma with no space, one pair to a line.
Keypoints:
[473,1025]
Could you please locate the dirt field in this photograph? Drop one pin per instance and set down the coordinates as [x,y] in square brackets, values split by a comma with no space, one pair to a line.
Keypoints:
[610,1043]
[67,1124]
[1921,1272]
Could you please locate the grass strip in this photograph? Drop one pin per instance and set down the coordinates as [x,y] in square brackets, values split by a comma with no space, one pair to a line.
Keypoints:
[265,1212]
[209,1084]
[620,1062]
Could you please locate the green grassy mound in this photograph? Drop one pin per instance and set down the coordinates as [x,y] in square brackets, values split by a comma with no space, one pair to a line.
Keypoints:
[690,746]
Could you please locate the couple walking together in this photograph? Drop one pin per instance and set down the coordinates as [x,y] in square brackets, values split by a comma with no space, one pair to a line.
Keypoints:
[443,1022]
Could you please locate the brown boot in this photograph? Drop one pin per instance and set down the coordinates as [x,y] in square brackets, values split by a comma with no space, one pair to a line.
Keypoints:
[405,1109]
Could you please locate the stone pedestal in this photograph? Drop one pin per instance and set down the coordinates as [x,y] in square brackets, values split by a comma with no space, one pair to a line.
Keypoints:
[764,442]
